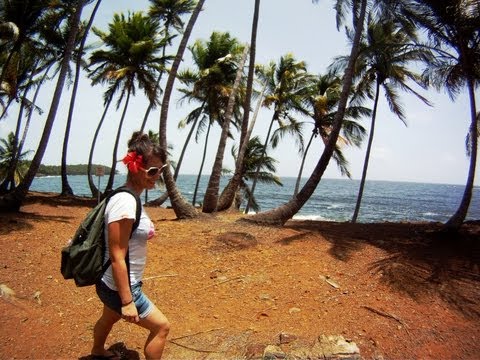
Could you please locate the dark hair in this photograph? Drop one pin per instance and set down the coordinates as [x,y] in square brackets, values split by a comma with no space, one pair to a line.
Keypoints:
[143,145]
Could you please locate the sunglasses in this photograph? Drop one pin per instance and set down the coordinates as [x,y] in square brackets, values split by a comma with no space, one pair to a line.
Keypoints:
[152,171]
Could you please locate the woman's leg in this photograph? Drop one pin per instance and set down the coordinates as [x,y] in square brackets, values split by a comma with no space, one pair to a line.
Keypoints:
[102,329]
[158,325]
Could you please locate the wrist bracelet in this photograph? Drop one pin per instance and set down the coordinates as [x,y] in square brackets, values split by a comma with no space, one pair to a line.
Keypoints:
[128,303]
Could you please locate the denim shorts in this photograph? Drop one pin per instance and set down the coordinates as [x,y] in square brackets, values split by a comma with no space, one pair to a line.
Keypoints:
[111,299]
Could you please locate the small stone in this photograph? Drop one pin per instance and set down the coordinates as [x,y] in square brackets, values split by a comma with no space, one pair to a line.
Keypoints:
[273,352]
[36,296]
[264,297]
[286,338]
[294,310]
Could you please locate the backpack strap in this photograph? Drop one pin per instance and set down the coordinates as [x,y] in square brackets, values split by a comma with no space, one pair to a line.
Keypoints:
[138,213]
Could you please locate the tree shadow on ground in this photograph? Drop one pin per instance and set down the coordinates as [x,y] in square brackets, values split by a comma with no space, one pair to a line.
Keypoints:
[23,221]
[54,199]
[119,348]
[423,258]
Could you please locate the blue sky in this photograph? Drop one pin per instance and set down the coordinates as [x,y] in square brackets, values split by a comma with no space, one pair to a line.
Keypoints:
[430,149]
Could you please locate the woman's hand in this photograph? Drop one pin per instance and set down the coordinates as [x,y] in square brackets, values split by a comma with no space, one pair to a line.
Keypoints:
[130,313]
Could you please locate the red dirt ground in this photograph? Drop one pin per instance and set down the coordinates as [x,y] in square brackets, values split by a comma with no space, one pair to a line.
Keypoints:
[405,291]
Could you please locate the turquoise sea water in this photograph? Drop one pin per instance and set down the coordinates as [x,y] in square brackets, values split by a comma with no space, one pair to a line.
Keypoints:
[334,199]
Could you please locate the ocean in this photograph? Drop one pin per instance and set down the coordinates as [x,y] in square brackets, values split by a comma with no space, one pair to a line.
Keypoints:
[333,200]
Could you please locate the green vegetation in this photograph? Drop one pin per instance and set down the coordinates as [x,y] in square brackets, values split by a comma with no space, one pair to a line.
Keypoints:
[56,170]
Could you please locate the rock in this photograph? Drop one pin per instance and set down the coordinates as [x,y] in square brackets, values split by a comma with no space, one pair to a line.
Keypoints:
[273,352]
[265,297]
[286,338]
[294,310]
[6,292]
[254,351]
[36,297]
[335,347]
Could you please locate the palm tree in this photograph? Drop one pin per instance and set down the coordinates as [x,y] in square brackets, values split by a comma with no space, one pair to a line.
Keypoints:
[226,198]
[8,151]
[36,56]
[28,62]
[196,117]
[254,159]
[169,12]
[382,64]
[180,206]
[107,100]
[286,85]
[30,107]
[66,189]
[211,82]
[284,212]
[14,199]
[453,29]
[211,194]
[322,101]
[131,58]
[27,17]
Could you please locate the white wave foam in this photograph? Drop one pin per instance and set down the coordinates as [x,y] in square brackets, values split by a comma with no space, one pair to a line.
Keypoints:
[301,217]
[310,217]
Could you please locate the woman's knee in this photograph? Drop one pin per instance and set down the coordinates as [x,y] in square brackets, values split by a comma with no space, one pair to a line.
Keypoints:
[162,328]
[166,326]
[156,322]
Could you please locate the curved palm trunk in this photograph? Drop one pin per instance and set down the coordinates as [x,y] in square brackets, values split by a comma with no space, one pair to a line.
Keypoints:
[91,184]
[459,217]
[29,118]
[230,191]
[210,199]
[185,145]
[17,150]
[180,206]
[251,69]
[150,104]
[66,188]
[111,177]
[157,87]
[281,214]
[228,194]
[300,171]
[5,109]
[257,171]
[194,199]
[13,200]
[162,198]
[367,155]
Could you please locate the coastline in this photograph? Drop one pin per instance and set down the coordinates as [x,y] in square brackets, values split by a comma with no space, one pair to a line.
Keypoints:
[230,288]
[334,199]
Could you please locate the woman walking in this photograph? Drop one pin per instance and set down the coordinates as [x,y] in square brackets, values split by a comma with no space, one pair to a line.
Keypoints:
[120,288]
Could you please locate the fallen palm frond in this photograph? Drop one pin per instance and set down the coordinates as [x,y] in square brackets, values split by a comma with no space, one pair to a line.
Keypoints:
[387,315]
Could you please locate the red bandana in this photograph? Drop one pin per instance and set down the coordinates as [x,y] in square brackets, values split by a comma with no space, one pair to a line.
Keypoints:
[133,161]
